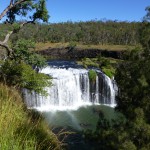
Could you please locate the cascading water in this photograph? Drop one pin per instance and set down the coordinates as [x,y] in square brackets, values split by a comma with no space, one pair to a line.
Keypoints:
[72,88]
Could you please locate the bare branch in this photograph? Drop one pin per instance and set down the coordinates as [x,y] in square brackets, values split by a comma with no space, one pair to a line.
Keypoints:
[11,2]
[9,50]
[7,37]
[19,2]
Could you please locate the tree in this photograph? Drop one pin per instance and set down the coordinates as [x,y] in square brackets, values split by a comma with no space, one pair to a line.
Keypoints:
[133,78]
[133,101]
[17,69]
[37,9]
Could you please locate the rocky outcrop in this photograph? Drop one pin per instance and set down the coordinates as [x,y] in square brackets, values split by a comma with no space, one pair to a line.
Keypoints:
[76,54]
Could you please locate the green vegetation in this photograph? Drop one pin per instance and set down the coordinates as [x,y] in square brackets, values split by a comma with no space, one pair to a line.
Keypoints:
[87,62]
[107,65]
[92,32]
[23,76]
[17,69]
[109,72]
[24,51]
[92,75]
[21,128]
[133,101]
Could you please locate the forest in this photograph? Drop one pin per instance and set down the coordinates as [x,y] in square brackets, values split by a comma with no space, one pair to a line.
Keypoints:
[104,32]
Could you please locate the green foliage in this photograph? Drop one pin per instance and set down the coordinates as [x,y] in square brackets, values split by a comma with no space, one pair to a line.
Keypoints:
[144,34]
[41,11]
[133,101]
[147,16]
[90,32]
[133,80]
[92,75]
[109,72]
[23,9]
[23,76]
[16,27]
[103,61]
[107,66]
[23,51]
[87,62]
[19,10]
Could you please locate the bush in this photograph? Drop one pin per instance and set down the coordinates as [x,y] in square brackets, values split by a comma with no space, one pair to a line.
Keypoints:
[87,62]
[109,72]
[23,76]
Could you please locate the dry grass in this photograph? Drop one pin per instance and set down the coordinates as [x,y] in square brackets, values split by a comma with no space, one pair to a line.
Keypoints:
[107,47]
[42,46]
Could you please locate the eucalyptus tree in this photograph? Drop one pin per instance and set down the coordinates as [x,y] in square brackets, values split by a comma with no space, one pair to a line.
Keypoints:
[34,9]
[17,69]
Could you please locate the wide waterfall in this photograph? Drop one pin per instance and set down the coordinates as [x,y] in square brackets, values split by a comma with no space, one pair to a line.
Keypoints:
[72,88]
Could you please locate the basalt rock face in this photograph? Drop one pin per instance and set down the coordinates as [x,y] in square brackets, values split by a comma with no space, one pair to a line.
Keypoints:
[75,54]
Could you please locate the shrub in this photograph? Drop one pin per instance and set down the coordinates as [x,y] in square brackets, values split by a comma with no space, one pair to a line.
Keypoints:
[109,72]
[23,76]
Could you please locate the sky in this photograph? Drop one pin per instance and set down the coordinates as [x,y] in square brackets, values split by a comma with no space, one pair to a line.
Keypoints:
[86,10]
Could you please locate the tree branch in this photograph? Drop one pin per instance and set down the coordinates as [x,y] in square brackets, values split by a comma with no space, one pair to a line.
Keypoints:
[5,42]
[7,37]
[11,2]
[9,50]
[10,6]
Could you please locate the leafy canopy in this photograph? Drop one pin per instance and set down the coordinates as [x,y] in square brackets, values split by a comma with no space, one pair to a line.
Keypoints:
[36,9]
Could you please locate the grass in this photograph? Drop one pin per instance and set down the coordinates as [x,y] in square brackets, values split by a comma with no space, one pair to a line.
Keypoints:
[42,46]
[20,128]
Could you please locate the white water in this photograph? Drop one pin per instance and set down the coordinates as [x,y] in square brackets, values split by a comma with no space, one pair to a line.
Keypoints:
[71,89]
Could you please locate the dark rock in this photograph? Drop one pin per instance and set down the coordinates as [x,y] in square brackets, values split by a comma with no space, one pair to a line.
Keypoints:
[76,54]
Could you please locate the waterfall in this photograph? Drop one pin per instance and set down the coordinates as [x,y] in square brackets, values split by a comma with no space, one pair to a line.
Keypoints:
[72,88]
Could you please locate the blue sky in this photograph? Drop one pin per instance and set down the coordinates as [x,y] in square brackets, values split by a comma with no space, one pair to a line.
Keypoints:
[84,10]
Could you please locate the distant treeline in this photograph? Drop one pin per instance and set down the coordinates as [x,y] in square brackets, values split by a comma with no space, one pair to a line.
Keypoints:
[90,32]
